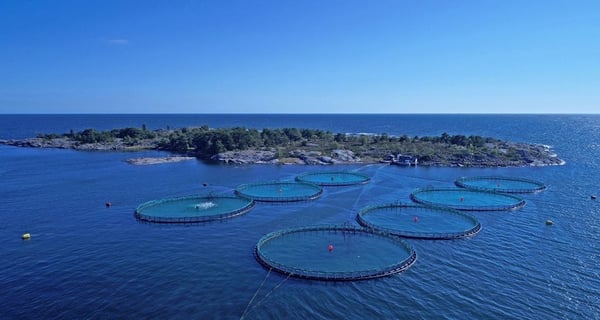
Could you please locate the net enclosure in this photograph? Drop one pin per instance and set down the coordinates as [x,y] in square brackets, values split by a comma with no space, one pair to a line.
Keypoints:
[280,191]
[192,209]
[466,199]
[418,221]
[335,178]
[500,184]
[336,253]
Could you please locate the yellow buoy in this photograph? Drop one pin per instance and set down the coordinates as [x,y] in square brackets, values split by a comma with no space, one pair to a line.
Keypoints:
[26,236]
[549,222]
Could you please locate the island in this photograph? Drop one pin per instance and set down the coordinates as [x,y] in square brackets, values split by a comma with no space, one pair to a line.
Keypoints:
[240,145]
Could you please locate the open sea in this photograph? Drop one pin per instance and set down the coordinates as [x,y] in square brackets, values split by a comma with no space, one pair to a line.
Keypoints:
[87,261]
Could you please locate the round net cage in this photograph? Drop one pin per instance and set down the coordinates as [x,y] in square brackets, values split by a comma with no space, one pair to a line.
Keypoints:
[193,209]
[500,184]
[417,221]
[280,191]
[338,253]
[466,199]
[333,178]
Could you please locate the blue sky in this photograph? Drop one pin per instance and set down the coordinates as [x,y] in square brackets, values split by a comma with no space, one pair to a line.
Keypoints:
[280,56]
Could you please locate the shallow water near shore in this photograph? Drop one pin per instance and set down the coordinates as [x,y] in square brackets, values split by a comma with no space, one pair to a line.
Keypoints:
[85,260]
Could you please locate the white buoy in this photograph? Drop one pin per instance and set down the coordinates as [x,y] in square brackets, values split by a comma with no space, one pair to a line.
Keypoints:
[26,236]
[549,222]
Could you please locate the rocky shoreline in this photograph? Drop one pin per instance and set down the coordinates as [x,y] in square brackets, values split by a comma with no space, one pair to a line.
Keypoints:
[529,155]
[66,143]
[342,157]
[337,156]
[144,161]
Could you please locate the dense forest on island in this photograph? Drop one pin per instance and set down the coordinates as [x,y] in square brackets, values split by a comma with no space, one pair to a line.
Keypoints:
[289,143]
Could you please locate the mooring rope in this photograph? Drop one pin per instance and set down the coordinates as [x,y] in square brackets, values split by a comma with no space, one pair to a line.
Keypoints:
[269,293]
[255,293]
[274,288]
[365,188]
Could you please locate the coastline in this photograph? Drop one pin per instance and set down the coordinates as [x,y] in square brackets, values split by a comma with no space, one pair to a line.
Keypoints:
[528,154]
[145,161]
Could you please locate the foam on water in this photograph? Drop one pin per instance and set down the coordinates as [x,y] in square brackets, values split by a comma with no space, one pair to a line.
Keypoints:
[204,205]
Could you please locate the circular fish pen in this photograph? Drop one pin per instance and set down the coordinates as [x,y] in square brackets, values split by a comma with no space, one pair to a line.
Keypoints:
[193,209]
[336,253]
[466,199]
[335,178]
[417,221]
[280,191]
[500,184]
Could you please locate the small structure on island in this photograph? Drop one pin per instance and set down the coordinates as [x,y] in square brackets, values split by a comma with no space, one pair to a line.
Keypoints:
[403,160]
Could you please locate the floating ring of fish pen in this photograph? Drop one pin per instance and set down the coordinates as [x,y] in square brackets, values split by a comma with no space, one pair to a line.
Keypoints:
[500,184]
[334,178]
[193,209]
[336,253]
[280,191]
[418,221]
[466,199]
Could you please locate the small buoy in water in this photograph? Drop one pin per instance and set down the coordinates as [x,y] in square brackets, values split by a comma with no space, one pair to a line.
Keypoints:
[462,199]
[330,248]
[108,204]
[416,219]
[549,222]
[205,184]
[26,236]
[593,197]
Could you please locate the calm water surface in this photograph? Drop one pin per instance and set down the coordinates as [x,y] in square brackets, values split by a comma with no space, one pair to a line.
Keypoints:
[86,261]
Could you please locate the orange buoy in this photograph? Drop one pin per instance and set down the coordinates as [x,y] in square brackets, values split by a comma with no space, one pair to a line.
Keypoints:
[330,248]
[416,219]
[108,204]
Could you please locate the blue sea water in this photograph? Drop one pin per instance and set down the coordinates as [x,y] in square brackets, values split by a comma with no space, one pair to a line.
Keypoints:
[86,261]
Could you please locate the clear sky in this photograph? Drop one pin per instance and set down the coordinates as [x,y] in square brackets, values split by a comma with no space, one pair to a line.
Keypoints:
[300,56]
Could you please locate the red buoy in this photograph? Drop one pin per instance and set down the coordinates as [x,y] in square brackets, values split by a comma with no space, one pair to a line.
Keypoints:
[330,248]
[416,219]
